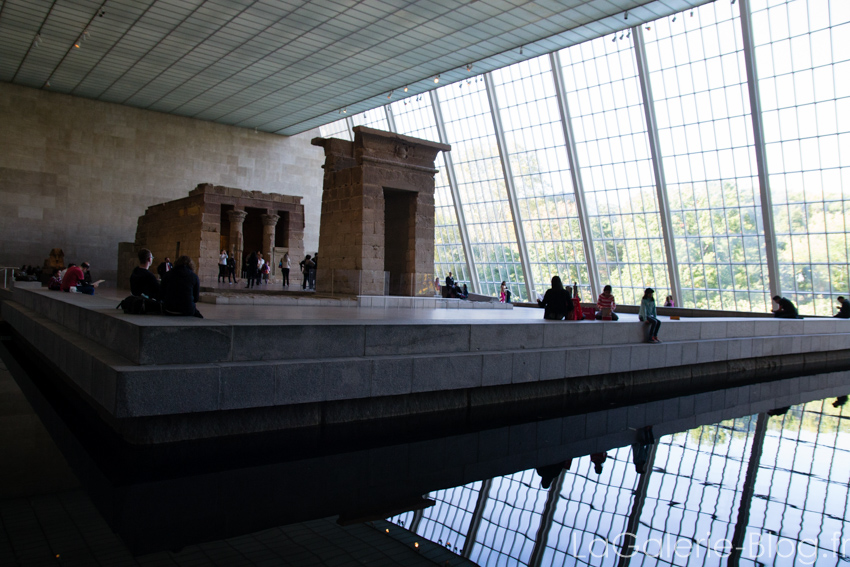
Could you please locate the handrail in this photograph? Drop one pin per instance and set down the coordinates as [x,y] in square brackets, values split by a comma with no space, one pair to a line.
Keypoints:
[8,277]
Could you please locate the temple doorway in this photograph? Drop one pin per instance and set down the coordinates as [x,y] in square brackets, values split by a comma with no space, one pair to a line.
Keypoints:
[399,223]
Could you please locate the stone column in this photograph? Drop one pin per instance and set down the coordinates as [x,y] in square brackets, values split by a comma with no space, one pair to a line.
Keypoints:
[236,217]
[269,224]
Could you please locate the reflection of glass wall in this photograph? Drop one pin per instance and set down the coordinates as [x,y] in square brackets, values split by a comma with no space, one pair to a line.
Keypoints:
[592,508]
[801,487]
[605,101]
[795,496]
[803,55]
[539,163]
[699,84]
[705,130]
[695,490]
[510,520]
[481,183]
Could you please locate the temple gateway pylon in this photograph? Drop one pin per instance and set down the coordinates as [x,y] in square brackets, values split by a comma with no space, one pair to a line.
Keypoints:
[377,228]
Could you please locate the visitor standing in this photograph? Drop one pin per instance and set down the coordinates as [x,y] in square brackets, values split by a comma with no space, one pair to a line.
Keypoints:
[285,266]
[222,266]
[231,270]
[251,264]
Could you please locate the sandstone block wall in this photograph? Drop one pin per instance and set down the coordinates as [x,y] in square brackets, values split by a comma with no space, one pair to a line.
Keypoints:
[378,214]
[192,226]
[76,174]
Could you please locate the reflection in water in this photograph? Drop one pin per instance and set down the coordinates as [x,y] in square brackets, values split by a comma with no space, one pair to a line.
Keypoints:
[757,490]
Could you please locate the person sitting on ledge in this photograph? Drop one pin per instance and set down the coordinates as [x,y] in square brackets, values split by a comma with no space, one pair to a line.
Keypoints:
[605,304]
[844,309]
[181,289]
[74,277]
[557,302]
[55,283]
[142,280]
[648,314]
[787,309]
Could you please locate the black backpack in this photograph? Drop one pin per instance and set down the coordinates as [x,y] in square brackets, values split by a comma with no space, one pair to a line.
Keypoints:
[140,305]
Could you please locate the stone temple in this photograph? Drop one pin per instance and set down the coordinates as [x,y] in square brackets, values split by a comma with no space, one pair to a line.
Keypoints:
[214,218]
[377,235]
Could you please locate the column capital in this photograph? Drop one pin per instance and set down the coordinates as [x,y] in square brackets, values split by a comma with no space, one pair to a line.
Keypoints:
[237,216]
[270,220]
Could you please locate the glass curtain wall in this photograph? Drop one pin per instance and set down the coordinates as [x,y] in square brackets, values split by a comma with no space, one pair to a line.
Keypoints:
[481,184]
[803,56]
[704,125]
[338,129]
[606,107]
[699,86]
[375,118]
[538,156]
[414,116]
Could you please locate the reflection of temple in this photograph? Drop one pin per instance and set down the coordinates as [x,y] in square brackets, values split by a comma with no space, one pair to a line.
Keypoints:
[213,218]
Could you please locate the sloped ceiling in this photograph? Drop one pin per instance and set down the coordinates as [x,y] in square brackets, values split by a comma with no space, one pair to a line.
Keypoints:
[285,66]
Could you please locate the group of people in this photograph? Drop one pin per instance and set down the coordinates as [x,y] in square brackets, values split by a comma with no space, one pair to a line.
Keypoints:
[179,289]
[456,291]
[73,278]
[226,268]
[308,270]
[559,304]
[256,269]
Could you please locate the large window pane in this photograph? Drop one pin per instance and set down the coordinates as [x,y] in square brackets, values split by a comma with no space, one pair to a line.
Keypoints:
[475,153]
[538,158]
[606,106]
[699,84]
[803,57]
[414,116]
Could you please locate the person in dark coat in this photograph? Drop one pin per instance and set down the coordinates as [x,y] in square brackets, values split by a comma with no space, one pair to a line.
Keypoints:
[787,309]
[142,280]
[181,289]
[557,302]
[844,309]
[252,263]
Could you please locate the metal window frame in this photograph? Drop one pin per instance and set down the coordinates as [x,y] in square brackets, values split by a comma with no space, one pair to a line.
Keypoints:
[390,118]
[657,164]
[510,187]
[575,174]
[759,148]
[450,173]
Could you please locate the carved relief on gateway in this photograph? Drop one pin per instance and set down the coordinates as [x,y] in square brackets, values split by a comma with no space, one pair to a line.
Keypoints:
[404,151]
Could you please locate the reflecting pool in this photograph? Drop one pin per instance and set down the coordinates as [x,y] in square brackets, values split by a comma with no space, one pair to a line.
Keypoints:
[755,474]
[764,489]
